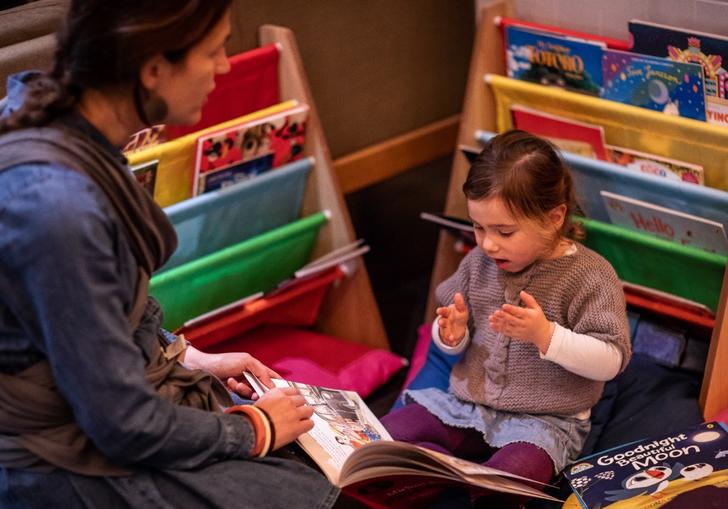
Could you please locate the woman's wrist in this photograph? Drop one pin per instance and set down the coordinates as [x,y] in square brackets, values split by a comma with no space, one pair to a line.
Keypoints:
[194,358]
[262,428]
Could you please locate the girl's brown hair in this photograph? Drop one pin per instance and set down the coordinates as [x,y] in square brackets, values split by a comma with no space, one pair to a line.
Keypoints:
[103,44]
[526,172]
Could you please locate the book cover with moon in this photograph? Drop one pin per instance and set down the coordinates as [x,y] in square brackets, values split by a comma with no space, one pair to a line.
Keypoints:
[654,83]
[683,469]
[710,51]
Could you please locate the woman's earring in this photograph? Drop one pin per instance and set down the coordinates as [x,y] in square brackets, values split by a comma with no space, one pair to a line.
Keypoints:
[155,109]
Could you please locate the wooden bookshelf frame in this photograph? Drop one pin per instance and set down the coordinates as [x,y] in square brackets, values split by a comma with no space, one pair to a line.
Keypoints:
[350,310]
[479,113]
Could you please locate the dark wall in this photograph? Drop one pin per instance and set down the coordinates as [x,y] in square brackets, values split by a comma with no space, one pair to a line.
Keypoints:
[377,68]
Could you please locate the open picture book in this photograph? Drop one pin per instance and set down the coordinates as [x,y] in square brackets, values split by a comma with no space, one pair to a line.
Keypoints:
[355,452]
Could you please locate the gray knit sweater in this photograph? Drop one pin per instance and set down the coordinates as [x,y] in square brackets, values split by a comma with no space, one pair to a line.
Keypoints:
[580,292]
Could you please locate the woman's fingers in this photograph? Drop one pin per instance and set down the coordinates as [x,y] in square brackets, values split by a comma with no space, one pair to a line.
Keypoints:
[240,388]
[305,412]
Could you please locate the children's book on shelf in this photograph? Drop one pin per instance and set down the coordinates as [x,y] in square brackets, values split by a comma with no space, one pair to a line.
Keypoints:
[687,468]
[342,256]
[355,452]
[710,51]
[655,83]
[249,149]
[666,223]
[570,135]
[469,152]
[461,229]
[666,303]
[146,175]
[566,62]
[656,165]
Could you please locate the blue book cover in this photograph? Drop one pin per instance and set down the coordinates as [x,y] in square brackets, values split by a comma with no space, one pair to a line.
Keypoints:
[691,465]
[654,83]
[710,51]
[552,60]
[242,171]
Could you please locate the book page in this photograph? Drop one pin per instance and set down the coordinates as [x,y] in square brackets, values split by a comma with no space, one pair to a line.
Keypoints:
[342,424]
[401,454]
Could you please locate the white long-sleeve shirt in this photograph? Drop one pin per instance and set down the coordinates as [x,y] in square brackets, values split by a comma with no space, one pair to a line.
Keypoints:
[582,354]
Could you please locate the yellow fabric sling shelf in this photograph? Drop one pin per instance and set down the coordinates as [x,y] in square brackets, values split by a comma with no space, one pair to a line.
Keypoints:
[486,107]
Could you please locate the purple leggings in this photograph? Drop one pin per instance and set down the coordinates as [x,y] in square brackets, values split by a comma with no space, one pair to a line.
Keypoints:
[415,424]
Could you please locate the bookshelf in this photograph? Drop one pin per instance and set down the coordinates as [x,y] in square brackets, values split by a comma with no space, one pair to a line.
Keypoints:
[480,112]
[350,310]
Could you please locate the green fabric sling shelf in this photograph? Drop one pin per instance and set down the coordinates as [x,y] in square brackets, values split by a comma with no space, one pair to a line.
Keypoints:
[254,265]
[645,260]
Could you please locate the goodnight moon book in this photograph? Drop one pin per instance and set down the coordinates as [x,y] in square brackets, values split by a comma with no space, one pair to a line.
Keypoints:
[683,469]
[655,83]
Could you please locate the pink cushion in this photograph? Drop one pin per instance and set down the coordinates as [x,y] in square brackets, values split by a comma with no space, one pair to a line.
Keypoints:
[722,416]
[317,359]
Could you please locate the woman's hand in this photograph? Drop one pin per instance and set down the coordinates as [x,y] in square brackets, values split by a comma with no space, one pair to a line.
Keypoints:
[453,321]
[230,366]
[288,412]
[525,323]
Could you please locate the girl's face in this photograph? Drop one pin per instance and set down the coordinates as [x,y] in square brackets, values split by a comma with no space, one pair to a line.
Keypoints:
[513,243]
[185,85]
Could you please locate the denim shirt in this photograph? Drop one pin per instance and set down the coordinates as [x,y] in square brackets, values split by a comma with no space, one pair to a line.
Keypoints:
[67,282]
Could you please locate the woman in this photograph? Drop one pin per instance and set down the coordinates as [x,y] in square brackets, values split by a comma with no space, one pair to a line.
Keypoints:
[97,408]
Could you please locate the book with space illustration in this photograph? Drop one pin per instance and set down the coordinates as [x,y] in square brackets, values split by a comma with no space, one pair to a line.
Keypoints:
[655,83]
[686,468]
[681,45]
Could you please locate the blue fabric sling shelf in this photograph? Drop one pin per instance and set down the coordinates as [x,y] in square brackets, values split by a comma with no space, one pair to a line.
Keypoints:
[218,219]
[254,265]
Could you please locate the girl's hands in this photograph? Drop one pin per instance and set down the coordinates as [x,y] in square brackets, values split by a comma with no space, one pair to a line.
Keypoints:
[453,321]
[525,323]
[288,412]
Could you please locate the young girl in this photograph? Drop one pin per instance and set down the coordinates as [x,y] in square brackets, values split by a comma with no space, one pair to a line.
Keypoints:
[541,320]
